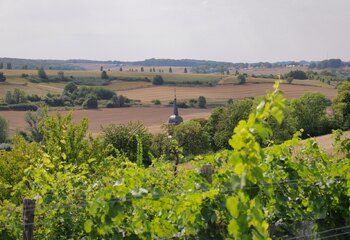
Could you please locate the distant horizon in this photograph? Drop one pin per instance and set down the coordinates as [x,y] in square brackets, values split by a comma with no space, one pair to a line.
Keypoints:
[140,60]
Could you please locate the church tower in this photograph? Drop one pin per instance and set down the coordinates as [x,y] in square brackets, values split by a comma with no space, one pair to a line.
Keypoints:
[175,118]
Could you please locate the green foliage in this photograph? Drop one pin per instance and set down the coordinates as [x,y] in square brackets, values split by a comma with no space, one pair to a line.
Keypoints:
[86,189]
[34,119]
[70,89]
[341,105]
[192,137]
[156,102]
[297,74]
[310,113]
[157,80]
[3,130]
[202,102]
[42,74]
[289,80]
[222,121]
[123,137]
[90,102]
[2,77]
[15,97]
[104,75]
[241,79]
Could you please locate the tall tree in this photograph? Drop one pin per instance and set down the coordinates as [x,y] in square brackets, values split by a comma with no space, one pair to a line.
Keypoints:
[104,75]
[2,77]
[101,68]
[3,130]
[170,70]
[1,66]
[341,105]
[42,73]
[120,69]
[142,69]
[202,102]
[9,65]
[185,70]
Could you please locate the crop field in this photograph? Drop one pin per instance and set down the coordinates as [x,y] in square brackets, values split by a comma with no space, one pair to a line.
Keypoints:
[152,117]
[274,71]
[222,92]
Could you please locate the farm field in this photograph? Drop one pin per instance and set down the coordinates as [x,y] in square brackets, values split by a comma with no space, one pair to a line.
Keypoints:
[152,117]
[222,92]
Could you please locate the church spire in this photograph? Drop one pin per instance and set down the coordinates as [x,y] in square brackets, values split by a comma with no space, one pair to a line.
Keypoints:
[175,118]
[175,110]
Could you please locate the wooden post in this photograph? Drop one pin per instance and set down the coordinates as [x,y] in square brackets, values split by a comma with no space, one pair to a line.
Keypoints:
[28,218]
[207,171]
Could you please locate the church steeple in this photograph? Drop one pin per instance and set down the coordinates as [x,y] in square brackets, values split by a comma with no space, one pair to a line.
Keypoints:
[175,110]
[175,118]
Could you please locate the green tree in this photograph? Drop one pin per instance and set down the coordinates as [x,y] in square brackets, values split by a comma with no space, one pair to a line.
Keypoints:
[70,89]
[170,70]
[25,67]
[228,72]
[157,80]
[15,97]
[310,113]
[185,70]
[341,105]
[202,102]
[297,74]
[42,73]
[241,79]
[91,102]
[1,66]
[192,137]
[33,120]
[123,137]
[2,77]
[3,130]
[101,68]
[104,75]
[120,69]
[289,80]
[142,69]
[9,65]
[60,75]
[223,120]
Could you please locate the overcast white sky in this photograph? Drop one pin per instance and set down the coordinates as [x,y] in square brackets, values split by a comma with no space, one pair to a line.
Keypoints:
[228,30]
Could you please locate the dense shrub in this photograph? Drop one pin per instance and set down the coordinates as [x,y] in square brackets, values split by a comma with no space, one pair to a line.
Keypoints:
[42,74]
[156,102]
[192,137]
[202,102]
[23,107]
[157,80]
[310,113]
[241,79]
[90,102]
[3,130]
[124,138]
[297,74]
[2,77]
[104,75]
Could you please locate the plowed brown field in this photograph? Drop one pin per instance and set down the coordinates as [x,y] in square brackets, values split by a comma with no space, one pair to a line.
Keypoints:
[222,92]
[152,117]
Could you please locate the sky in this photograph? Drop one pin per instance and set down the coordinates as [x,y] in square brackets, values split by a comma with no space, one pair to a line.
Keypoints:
[129,30]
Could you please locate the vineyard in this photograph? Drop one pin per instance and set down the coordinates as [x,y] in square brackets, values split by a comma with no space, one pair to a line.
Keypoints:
[257,190]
